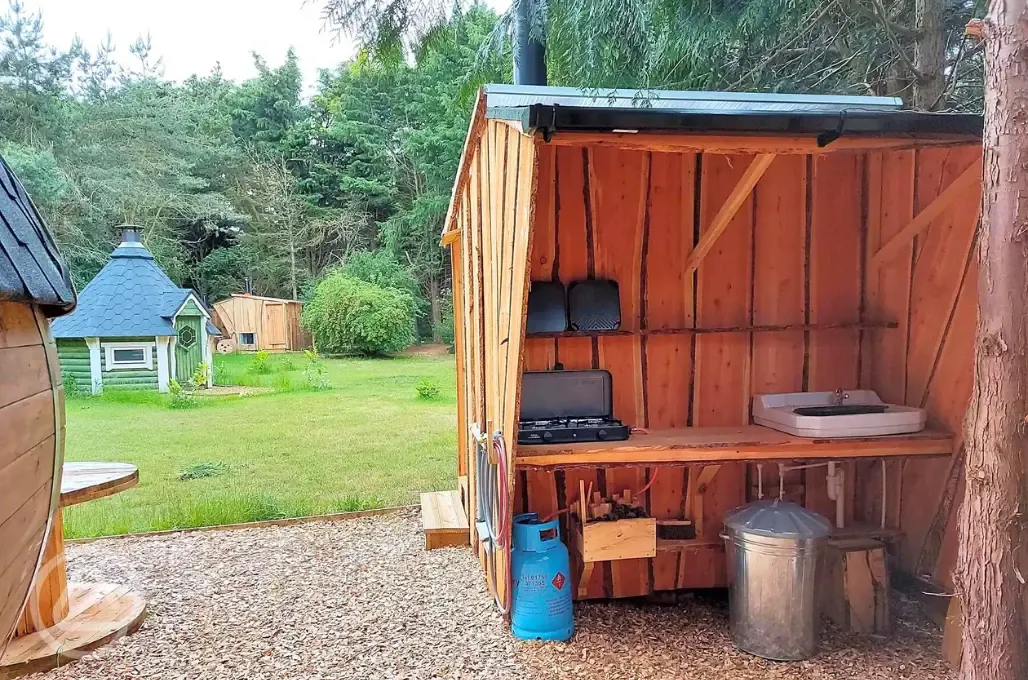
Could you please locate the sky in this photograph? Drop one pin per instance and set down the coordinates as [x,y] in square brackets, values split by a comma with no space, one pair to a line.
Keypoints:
[194,35]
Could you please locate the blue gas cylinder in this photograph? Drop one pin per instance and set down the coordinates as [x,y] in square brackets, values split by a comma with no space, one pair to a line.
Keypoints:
[541,575]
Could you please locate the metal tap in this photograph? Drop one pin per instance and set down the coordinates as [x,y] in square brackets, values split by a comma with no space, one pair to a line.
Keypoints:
[839,397]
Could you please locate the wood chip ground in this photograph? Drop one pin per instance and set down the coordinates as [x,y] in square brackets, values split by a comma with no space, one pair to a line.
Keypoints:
[362,599]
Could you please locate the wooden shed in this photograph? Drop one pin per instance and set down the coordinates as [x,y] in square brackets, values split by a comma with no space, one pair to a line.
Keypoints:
[255,322]
[34,286]
[760,244]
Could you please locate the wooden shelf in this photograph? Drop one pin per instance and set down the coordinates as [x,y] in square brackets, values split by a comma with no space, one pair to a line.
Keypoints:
[752,443]
[782,328]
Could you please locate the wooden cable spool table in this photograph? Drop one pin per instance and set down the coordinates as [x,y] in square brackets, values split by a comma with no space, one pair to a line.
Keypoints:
[62,621]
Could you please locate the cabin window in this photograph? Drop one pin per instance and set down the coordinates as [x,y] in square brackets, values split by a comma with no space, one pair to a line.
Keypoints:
[247,338]
[129,355]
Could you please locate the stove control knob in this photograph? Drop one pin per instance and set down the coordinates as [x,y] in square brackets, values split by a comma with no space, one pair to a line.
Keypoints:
[601,435]
[547,436]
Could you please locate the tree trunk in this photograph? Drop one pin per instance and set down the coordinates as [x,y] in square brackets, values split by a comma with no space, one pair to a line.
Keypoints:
[994,640]
[292,265]
[929,56]
[437,311]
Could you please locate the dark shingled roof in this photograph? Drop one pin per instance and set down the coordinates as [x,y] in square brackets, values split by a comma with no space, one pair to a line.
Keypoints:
[130,296]
[31,268]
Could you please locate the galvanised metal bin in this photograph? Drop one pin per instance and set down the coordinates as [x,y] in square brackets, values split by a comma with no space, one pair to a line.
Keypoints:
[774,548]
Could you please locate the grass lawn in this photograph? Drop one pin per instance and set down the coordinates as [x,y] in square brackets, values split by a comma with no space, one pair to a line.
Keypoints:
[369,441]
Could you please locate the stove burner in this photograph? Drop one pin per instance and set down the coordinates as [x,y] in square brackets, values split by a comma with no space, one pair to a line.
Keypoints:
[564,430]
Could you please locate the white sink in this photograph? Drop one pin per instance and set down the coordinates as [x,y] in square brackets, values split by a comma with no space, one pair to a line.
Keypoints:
[778,411]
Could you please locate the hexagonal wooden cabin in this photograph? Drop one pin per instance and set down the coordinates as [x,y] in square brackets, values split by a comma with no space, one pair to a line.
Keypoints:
[760,243]
[34,286]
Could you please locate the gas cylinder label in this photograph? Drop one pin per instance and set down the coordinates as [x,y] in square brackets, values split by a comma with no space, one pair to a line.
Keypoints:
[558,581]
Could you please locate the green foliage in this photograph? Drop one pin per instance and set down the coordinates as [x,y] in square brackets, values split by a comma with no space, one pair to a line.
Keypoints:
[71,388]
[315,373]
[444,329]
[203,470]
[349,316]
[261,362]
[426,389]
[181,397]
[201,375]
[380,268]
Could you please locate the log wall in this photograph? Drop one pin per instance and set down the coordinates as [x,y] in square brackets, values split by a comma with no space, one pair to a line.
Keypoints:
[799,251]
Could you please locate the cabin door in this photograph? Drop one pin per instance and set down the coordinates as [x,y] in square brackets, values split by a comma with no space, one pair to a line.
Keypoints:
[275,326]
[188,347]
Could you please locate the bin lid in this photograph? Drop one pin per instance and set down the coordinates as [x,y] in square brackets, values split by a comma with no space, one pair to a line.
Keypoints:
[778,519]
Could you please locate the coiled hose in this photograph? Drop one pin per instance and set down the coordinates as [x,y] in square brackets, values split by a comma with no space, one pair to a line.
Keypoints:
[493,508]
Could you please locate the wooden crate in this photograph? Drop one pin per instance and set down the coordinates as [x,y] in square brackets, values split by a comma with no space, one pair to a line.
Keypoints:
[623,539]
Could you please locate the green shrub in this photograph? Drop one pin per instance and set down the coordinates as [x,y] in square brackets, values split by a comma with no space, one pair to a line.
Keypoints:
[427,389]
[201,374]
[180,396]
[380,268]
[261,362]
[71,388]
[315,373]
[347,316]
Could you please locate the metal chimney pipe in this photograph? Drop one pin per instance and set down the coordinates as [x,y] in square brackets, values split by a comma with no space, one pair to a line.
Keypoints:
[529,52]
[130,233]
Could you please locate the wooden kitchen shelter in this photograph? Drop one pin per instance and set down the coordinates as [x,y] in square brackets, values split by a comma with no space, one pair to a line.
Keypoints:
[760,243]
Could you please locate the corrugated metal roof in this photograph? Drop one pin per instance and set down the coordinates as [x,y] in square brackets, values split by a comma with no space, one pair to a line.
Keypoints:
[31,268]
[131,296]
[500,97]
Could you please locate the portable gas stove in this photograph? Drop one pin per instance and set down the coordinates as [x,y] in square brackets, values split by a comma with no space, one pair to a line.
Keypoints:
[558,407]
[564,430]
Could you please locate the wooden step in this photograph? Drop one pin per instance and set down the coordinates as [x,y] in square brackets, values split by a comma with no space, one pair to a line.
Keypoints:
[443,519]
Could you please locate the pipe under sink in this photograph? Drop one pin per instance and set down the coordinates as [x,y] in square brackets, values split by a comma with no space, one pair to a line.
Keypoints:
[838,414]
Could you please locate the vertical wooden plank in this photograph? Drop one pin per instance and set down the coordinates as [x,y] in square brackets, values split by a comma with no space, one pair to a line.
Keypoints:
[942,250]
[668,302]
[618,184]
[473,261]
[722,363]
[779,292]
[541,353]
[460,346]
[518,232]
[892,280]
[948,393]
[835,269]
[573,254]
[836,233]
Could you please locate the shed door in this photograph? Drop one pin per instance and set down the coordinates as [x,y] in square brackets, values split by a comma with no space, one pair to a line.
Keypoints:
[275,325]
[188,347]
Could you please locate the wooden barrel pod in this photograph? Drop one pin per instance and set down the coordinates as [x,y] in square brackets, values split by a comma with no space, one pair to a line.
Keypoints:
[31,450]
[34,285]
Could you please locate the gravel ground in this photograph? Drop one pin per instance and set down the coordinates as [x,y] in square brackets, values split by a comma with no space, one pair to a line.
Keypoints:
[362,599]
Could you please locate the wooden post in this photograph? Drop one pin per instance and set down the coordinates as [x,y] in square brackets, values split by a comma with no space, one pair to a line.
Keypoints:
[989,575]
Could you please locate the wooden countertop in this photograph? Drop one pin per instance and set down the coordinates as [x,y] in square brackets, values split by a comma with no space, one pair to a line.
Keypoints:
[754,443]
